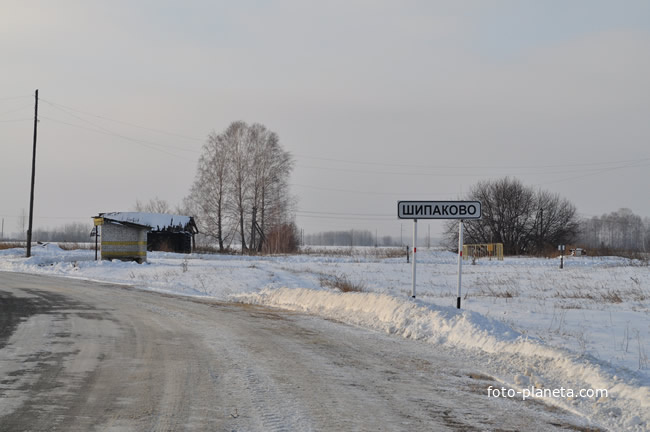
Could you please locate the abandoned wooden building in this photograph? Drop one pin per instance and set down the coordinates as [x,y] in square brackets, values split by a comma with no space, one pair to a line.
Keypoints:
[129,235]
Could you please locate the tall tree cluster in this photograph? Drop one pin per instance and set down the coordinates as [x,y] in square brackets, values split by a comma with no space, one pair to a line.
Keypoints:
[241,189]
[619,230]
[525,220]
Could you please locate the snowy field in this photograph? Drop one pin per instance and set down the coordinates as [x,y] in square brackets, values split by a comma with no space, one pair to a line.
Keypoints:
[532,325]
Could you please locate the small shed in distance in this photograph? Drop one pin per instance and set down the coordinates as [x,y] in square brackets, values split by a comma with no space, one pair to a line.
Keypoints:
[129,235]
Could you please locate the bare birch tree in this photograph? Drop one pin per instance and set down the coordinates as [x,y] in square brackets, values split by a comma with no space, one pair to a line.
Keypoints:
[271,167]
[208,195]
[242,181]
[240,152]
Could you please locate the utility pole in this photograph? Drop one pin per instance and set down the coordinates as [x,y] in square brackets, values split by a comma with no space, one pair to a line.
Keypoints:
[31,196]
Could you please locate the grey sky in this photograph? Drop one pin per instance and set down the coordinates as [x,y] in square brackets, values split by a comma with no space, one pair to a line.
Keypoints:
[377,100]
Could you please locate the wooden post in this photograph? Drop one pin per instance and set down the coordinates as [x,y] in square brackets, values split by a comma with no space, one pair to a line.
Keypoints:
[31,195]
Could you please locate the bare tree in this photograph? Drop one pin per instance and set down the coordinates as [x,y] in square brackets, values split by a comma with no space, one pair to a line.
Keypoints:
[208,194]
[271,167]
[154,205]
[242,182]
[239,154]
[523,220]
[555,223]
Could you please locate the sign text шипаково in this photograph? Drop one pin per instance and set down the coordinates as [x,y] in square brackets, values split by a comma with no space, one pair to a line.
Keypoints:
[439,209]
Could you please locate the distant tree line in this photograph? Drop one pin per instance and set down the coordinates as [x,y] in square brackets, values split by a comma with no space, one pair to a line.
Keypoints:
[620,230]
[75,232]
[348,238]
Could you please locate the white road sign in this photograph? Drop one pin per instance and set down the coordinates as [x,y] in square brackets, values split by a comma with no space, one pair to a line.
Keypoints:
[439,210]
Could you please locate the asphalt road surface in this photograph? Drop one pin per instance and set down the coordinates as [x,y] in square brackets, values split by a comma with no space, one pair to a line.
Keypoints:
[82,356]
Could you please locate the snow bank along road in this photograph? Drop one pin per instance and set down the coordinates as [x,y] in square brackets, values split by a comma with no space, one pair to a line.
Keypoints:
[77,356]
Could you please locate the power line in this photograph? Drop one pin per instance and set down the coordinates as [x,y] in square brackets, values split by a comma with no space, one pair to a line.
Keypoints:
[123,136]
[370,192]
[150,145]
[64,108]
[13,98]
[358,218]
[16,120]
[16,109]
[590,171]
[344,214]
[46,217]
[436,167]
[631,165]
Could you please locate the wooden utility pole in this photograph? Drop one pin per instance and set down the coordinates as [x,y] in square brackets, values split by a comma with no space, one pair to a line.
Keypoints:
[31,196]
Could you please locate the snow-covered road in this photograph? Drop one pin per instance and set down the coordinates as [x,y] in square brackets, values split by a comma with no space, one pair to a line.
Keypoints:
[76,355]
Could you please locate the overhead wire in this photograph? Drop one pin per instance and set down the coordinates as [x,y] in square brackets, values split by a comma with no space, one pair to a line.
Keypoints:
[163,148]
[13,98]
[16,120]
[371,192]
[640,163]
[343,214]
[65,107]
[16,109]
[354,216]
[143,143]
[367,218]
[563,165]
[470,172]
[102,128]
[587,168]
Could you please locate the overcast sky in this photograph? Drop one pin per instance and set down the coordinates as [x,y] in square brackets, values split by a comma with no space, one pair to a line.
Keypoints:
[378,101]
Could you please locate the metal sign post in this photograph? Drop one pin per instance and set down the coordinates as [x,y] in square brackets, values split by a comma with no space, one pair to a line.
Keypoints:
[461,210]
[98,221]
[460,260]
[415,248]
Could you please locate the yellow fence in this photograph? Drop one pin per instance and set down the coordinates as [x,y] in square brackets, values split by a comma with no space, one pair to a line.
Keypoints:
[486,250]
